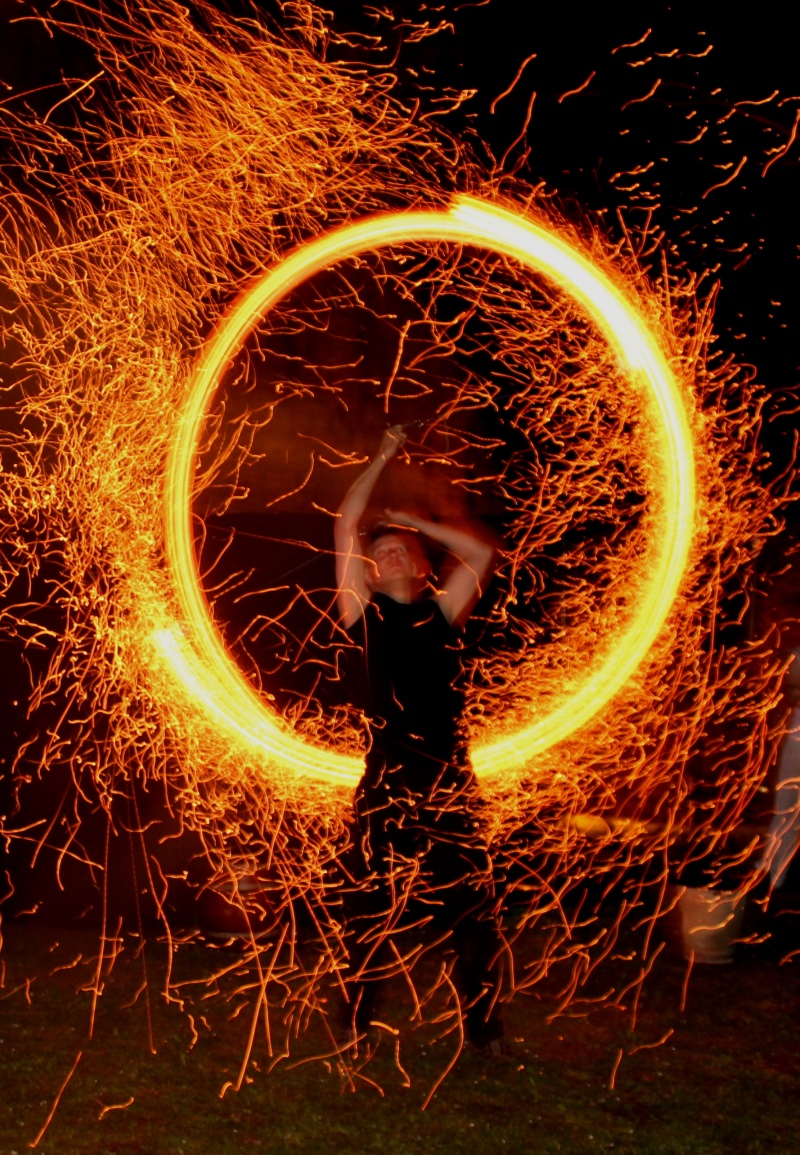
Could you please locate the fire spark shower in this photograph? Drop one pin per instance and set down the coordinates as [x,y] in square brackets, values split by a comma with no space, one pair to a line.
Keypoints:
[201,663]
[216,202]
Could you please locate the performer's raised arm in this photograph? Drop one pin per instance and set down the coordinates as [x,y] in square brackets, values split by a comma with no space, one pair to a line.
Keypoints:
[465,584]
[351,566]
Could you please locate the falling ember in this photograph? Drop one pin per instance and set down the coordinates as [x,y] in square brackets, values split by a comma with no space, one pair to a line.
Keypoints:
[258,262]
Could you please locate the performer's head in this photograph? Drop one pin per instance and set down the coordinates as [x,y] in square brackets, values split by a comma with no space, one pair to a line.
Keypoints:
[400,565]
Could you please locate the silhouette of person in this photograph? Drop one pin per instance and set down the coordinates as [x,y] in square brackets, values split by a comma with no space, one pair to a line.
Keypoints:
[415,829]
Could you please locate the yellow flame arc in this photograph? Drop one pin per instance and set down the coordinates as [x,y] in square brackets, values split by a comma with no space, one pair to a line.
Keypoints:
[194,651]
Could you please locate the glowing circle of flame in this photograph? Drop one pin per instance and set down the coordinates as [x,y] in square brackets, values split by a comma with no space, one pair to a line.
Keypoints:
[194,650]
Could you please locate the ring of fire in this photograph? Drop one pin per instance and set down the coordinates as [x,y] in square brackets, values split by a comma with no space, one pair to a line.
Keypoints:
[194,651]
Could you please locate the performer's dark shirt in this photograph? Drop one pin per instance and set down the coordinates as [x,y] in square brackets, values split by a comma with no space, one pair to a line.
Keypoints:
[409,689]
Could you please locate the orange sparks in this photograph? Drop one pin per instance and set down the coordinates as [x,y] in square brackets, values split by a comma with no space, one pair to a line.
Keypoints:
[247,262]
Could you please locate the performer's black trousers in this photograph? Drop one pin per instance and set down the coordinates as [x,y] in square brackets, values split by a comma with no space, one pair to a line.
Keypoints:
[419,858]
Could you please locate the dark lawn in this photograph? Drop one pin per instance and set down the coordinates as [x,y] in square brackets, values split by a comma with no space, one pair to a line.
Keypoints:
[726,1080]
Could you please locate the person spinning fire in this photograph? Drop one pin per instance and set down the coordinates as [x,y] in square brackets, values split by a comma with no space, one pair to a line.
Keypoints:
[415,828]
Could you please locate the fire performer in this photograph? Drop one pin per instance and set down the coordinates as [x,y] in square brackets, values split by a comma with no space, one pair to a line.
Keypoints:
[415,825]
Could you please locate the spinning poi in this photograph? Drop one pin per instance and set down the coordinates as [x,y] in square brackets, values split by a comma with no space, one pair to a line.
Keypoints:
[194,649]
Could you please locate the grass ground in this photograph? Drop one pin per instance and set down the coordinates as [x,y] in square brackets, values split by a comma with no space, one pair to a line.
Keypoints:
[726,1080]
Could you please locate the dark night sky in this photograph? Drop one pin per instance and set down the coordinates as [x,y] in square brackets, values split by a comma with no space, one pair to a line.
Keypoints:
[745,234]
[603,151]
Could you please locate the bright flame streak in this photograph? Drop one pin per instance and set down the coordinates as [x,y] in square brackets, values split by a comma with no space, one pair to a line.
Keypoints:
[204,666]
[255,731]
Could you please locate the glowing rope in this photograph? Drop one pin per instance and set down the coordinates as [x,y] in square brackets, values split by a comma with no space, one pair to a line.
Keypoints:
[195,652]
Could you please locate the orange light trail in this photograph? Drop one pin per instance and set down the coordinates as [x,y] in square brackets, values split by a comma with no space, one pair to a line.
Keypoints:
[201,662]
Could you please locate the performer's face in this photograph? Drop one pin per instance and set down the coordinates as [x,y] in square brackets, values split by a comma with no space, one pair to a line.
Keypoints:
[397,559]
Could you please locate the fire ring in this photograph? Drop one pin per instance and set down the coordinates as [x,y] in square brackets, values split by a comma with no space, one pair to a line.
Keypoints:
[192,647]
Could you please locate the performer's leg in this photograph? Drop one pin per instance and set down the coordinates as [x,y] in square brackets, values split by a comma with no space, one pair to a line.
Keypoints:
[479,972]
[367,911]
[460,878]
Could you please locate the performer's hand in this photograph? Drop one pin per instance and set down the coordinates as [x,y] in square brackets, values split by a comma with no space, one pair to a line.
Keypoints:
[400,517]
[393,438]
